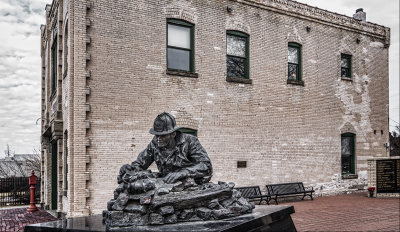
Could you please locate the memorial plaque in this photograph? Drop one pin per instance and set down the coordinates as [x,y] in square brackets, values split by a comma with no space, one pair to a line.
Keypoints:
[398,174]
[388,176]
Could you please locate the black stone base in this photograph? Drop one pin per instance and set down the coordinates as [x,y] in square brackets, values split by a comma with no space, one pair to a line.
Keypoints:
[263,218]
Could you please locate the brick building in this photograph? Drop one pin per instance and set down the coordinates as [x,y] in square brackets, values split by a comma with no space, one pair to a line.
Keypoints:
[276,91]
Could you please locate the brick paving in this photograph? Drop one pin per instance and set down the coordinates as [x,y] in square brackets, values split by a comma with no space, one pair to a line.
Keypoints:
[353,212]
[15,219]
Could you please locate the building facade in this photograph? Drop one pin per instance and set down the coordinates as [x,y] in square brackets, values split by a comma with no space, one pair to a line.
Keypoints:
[276,91]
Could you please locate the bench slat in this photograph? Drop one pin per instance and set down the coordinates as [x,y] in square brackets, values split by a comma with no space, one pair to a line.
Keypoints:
[286,189]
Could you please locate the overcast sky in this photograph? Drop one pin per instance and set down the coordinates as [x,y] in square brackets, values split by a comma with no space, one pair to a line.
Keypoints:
[20,63]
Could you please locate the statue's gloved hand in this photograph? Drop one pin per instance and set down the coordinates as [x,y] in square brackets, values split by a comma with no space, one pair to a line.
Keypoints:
[125,168]
[175,176]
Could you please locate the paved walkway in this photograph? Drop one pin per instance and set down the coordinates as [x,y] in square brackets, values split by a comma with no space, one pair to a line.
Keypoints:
[15,219]
[354,212]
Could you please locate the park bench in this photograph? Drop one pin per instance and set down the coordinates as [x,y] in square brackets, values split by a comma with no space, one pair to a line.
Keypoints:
[288,189]
[253,193]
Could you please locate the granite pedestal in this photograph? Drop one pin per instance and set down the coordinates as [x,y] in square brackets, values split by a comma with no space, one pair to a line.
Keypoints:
[263,218]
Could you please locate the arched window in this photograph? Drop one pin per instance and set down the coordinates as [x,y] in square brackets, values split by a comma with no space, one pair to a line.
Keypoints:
[348,153]
[294,62]
[345,65]
[237,54]
[66,48]
[180,45]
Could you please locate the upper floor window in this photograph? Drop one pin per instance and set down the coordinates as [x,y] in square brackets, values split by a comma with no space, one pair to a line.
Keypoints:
[345,64]
[54,65]
[66,46]
[180,46]
[294,62]
[237,54]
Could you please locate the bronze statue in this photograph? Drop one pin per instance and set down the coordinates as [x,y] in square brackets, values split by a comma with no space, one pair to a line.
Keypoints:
[177,155]
[180,192]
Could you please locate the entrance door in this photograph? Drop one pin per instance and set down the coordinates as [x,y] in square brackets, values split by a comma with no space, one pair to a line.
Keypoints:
[54,175]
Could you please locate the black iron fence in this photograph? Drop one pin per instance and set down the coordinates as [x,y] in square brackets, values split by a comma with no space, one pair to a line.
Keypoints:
[16,191]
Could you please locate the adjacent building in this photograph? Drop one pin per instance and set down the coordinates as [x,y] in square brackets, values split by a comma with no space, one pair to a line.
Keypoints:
[276,91]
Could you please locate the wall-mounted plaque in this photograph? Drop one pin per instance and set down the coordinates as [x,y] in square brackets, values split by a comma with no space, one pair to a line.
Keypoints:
[241,164]
[388,176]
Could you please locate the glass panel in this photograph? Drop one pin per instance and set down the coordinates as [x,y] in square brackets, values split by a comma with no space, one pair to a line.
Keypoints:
[293,55]
[178,59]
[236,46]
[345,164]
[235,66]
[292,71]
[345,72]
[178,36]
[344,62]
[346,146]
[54,66]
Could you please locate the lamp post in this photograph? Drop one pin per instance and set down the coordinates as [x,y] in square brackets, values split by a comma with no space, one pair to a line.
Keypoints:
[32,183]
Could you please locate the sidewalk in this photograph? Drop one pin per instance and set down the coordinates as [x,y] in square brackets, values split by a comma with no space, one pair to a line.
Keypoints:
[354,212]
[16,218]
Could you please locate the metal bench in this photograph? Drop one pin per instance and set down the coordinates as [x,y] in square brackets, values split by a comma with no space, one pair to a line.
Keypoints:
[287,189]
[253,193]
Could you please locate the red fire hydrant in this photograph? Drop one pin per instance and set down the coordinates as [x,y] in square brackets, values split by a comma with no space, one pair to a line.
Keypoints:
[32,183]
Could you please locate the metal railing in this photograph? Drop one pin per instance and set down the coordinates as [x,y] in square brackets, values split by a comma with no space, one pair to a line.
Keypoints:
[15,191]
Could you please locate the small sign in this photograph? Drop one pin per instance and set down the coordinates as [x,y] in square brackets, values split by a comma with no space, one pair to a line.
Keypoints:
[241,164]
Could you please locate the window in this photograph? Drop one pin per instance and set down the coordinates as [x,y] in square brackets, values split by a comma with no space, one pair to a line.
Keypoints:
[54,66]
[345,64]
[188,131]
[66,161]
[348,153]
[294,62]
[237,54]
[66,46]
[180,46]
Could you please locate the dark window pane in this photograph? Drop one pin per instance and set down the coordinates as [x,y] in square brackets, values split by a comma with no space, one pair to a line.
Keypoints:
[236,46]
[346,164]
[178,59]
[235,66]
[54,66]
[345,72]
[292,71]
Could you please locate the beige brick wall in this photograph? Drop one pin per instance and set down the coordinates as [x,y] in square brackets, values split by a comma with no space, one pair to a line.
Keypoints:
[285,132]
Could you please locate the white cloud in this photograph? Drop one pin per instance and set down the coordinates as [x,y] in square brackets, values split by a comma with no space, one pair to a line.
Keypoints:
[20,62]
[20,73]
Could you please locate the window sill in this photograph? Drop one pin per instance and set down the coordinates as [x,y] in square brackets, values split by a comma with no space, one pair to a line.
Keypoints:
[239,80]
[295,82]
[182,73]
[347,79]
[349,176]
